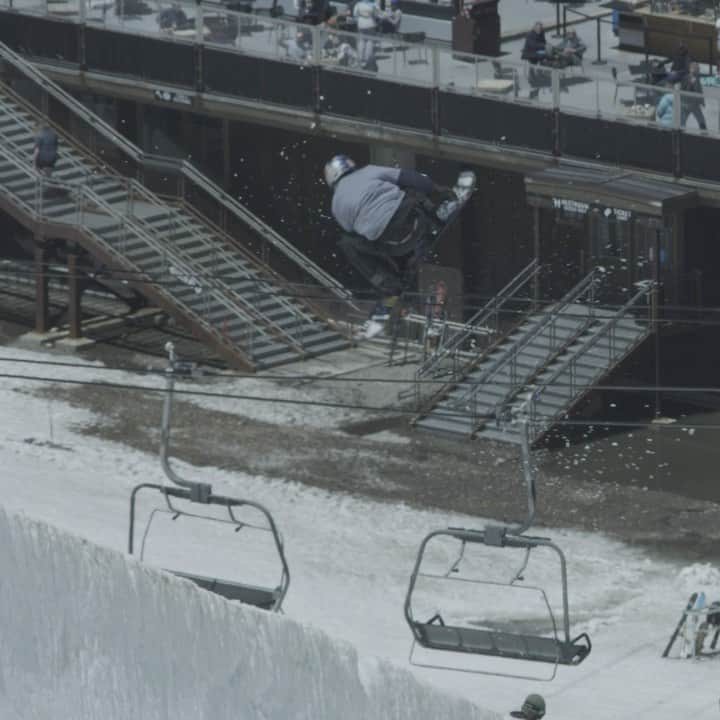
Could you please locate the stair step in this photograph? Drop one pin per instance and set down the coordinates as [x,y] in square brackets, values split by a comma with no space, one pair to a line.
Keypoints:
[142,254]
[500,435]
[266,351]
[319,336]
[445,425]
[339,343]
[12,177]
[275,360]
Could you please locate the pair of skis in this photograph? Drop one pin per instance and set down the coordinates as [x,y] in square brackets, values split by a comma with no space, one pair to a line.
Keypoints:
[696,601]
[681,623]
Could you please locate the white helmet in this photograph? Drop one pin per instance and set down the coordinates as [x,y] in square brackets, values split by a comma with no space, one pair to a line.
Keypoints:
[338,167]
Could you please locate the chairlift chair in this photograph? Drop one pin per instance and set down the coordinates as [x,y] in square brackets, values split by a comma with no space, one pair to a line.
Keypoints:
[200,496]
[435,634]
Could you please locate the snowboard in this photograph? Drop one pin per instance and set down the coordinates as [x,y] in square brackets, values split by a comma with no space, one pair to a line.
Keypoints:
[444,218]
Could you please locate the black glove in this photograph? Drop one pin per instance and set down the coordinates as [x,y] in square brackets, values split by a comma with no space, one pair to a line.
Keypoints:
[441,194]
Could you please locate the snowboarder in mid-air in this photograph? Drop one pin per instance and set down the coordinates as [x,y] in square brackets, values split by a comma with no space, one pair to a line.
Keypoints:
[391,218]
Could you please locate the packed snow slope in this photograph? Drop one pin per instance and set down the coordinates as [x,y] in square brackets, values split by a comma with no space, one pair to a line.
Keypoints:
[350,559]
[89,633]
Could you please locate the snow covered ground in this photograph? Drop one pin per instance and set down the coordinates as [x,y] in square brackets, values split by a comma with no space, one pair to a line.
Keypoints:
[89,634]
[350,561]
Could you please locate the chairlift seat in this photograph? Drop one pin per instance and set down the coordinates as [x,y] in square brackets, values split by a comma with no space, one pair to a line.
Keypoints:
[263,598]
[502,644]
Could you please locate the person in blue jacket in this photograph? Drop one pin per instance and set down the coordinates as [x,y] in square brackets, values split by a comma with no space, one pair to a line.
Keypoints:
[664,109]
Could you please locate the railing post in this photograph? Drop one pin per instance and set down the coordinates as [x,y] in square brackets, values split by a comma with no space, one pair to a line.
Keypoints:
[558,27]
[42,324]
[75,287]
[655,324]
[199,24]
[710,53]
[598,60]
[435,91]
[555,81]
[82,11]
[316,45]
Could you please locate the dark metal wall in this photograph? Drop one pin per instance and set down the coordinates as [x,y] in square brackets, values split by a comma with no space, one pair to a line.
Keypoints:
[368,99]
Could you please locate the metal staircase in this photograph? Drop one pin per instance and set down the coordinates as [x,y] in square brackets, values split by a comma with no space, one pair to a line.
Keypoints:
[196,269]
[460,350]
[542,367]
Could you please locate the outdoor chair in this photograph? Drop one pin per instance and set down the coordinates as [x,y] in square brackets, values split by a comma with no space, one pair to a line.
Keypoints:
[417,39]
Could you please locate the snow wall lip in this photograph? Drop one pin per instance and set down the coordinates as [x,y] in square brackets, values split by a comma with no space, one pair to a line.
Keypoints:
[90,633]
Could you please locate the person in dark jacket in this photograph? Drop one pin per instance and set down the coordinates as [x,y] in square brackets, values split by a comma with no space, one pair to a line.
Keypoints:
[691,105]
[388,218]
[45,149]
[680,64]
[172,18]
[535,48]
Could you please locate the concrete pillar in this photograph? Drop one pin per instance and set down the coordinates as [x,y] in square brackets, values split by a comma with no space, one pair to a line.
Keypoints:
[41,287]
[75,293]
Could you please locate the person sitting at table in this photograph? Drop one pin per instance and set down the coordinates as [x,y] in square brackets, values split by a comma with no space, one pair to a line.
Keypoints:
[172,18]
[535,48]
[572,47]
[390,19]
[664,109]
[693,105]
[299,47]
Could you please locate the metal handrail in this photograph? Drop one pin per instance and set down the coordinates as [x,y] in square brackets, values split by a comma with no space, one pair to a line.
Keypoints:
[265,274]
[137,191]
[218,290]
[186,169]
[265,231]
[221,253]
[648,287]
[493,306]
[587,284]
[86,193]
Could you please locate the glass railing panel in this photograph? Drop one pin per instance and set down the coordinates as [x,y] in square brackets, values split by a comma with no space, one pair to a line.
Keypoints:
[622,101]
[509,80]
[382,56]
[161,18]
[30,7]
[259,35]
[536,84]
[594,94]
[463,72]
